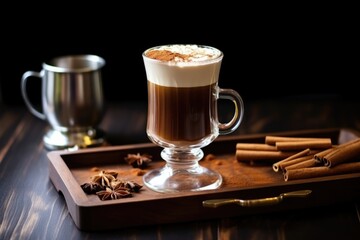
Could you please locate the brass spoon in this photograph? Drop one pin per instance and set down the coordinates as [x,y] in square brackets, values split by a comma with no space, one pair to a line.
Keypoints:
[214,203]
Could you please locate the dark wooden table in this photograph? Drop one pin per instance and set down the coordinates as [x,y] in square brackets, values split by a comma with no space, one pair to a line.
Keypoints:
[31,208]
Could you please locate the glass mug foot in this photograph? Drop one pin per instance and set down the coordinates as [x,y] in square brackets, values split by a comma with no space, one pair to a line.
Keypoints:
[182,172]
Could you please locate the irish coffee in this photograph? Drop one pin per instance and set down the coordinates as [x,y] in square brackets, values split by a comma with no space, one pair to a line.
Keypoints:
[182,115]
[182,82]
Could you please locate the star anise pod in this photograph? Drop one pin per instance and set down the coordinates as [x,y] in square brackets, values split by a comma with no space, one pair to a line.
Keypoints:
[138,160]
[131,185]
[104,178]
[111,194]
[91,187]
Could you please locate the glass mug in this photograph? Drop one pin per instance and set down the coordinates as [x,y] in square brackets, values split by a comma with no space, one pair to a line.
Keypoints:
[72,100]
[182,113]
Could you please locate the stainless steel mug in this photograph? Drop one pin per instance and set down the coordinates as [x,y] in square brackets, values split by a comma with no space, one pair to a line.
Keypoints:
[72,100]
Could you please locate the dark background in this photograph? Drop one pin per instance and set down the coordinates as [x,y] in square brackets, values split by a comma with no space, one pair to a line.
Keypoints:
[268,53]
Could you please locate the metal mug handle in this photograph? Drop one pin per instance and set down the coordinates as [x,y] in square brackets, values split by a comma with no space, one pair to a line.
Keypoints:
[24,79]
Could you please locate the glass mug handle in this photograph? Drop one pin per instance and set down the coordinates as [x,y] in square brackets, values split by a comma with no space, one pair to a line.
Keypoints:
[24,79]
[233,124]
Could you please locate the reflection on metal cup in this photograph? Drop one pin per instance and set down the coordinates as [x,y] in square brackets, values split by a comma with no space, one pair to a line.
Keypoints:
[72,100]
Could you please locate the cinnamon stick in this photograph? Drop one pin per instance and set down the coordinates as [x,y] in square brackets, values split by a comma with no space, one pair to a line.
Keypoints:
[299,145]
[276,166]
[273,139]
[305,163]
[270,156]
[294,161]
[320,155]
[343,153]
[320,171]
[256,146]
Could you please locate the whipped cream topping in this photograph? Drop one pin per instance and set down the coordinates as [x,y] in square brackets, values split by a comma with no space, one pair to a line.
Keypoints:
[183,53]
[182,65]
[190,53]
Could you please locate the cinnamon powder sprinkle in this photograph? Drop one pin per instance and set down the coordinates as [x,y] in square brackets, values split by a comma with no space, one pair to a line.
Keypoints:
[218,163]
[95,169]
[209,157]
[165,55]
[138,172]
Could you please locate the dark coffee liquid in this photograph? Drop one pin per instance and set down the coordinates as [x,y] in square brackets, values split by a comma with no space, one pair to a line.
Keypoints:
[180,114]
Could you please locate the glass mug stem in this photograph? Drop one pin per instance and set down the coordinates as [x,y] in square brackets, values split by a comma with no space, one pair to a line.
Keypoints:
[182,172]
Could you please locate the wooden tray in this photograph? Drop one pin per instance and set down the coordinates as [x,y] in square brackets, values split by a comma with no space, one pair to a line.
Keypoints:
[68,170]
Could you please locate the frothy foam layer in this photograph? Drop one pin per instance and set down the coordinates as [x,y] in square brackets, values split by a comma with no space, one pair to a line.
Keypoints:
[183,53]
[182,65]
